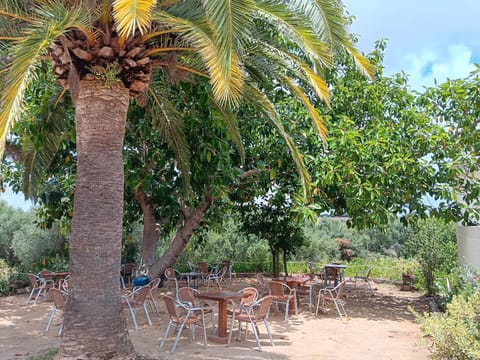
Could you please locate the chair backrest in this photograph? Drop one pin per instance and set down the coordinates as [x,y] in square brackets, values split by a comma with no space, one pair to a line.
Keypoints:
[139,296]
[264,307]
[171,306]
[252,295]
[154,283]
[58,298]
[128,269]
[45,274]
[170,274]
[277,288]
[186,295]
[222,272]
[34,280]
[331,273]
[66,284]
[203,267]
[339,288]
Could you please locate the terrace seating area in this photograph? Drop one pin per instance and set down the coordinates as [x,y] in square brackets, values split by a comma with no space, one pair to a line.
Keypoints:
[245,338]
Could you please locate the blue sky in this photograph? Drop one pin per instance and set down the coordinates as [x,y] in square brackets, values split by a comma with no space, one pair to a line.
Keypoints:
[427,39]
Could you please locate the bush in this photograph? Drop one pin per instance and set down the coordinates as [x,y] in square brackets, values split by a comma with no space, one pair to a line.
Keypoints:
[434,246]
[455,334]
[5,287]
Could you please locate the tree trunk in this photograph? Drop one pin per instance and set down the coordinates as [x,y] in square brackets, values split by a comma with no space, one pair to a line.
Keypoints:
[275,261]
[151,230]
[191,221]
[94,324]
[285,256]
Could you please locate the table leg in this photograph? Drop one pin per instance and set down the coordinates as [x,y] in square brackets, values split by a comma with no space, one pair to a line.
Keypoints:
[221,336]
[222,318]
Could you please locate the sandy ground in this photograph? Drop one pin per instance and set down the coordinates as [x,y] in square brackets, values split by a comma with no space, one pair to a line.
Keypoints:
[378,327]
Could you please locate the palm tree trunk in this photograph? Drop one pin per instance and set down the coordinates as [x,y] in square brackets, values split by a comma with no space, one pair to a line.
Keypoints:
[94,324]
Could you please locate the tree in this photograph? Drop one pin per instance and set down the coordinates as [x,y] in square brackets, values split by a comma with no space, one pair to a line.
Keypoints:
[276,225]
[454,105]
[104,53]
[433,244]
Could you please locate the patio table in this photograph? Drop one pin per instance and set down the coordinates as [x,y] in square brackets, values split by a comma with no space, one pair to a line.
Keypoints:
[222,299]
[292,282]
[191,276]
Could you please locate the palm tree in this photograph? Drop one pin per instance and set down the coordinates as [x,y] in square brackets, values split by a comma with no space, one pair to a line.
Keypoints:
[104,53]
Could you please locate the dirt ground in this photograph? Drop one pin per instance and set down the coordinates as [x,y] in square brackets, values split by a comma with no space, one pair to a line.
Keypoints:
[378,326]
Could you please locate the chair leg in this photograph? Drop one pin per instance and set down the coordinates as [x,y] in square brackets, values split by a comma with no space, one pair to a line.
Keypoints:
[60,331]
[318,305]
[38,295]
[153,305]
[180,329]
[340,309]
[254,329]
[29,296]
[50,319]
[204,331]
[146,314]
[132,314]
[268,331]
[166,333]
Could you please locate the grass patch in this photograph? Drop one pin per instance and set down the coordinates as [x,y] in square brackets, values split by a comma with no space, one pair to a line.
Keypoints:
[44,355]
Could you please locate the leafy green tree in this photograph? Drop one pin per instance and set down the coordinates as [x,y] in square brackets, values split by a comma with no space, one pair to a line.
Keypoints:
[455,106]
[434,246]
[105,54]
[38,248]
[275,224]
[11,220]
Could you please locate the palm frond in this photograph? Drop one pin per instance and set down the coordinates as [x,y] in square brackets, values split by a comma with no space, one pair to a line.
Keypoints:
[228,20]
[38,156]
[317,120]
[229,120]
[295,27]
[261,102]
[297,67]
[227,87]
[131,15]
[51,21]
[171,128]
[362,62]
[328,20]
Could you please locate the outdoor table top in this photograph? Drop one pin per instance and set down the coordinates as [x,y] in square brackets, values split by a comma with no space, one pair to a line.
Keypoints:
[223,295]
[340,266]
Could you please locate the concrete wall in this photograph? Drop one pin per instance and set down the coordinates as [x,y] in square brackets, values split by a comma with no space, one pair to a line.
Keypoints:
[468,241]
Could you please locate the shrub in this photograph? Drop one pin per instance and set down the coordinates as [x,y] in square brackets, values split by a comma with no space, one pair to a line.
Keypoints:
[5,287]
[434,246]
[455,334]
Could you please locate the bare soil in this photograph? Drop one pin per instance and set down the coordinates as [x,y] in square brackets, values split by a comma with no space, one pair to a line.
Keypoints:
[378,326]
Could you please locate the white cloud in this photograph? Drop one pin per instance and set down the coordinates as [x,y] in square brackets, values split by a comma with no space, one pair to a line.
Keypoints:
[425,66]
[427,39]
